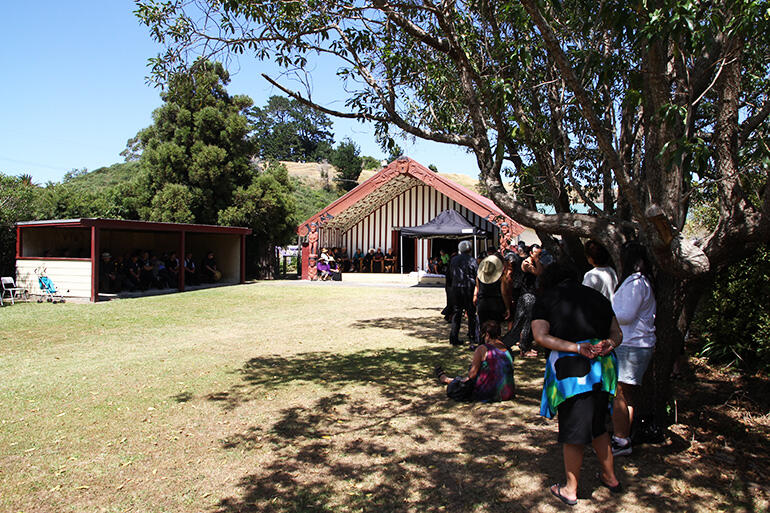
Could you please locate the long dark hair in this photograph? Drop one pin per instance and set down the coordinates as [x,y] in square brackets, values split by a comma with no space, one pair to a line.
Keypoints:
[634,259]
[491,328]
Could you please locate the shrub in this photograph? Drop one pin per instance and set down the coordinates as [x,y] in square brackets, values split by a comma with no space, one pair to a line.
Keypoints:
[734,319]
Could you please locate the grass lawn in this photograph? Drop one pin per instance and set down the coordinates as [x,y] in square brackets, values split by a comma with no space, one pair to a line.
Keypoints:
[285,397]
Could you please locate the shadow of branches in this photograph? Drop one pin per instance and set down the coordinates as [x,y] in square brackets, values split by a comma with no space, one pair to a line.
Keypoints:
[431,328]
[384,437]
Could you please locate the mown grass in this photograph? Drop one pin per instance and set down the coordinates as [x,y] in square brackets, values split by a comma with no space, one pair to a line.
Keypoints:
[282,397]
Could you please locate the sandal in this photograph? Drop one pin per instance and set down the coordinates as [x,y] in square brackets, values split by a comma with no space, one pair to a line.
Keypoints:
[557,493]
[613,489]
[438,371]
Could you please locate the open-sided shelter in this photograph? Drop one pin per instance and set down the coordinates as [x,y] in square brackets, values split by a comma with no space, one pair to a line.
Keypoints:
[70,250]
[402,195]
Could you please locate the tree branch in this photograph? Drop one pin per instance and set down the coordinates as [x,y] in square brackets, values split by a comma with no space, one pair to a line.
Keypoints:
[586,106]
[751,123]
[425,134]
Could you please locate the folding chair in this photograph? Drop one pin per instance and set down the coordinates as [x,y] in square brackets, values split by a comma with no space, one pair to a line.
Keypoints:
[11,290]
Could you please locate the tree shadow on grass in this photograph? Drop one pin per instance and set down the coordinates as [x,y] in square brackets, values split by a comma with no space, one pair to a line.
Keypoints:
[392,370]
[432,329]
[391,462]
[411,449]
[335,468]
[401,445]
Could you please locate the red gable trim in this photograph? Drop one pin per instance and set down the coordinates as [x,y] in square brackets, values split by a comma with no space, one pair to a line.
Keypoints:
[476,203]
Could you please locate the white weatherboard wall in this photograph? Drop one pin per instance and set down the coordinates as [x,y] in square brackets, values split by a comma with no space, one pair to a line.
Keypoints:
[72,278]
[413,207]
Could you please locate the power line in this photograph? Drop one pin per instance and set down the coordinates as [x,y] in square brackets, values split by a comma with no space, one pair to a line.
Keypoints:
[36,164]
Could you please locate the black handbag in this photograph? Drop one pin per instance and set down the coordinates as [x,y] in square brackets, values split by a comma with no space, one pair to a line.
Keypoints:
[461,391]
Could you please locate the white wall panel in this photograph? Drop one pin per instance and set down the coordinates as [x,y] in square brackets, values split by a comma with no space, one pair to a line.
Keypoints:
[413,207]
[72,278]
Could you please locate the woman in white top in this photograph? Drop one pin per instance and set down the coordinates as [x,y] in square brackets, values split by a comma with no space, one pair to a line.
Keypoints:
[602,277]
[634,306]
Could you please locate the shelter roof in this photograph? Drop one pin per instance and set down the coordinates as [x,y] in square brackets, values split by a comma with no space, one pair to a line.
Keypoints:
[122,224]
[401,175]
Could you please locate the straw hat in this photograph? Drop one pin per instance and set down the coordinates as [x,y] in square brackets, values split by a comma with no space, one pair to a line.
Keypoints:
[490,269]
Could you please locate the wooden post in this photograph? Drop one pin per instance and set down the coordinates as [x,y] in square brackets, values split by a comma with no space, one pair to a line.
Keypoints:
[95,256]
[181,255]
[243,259]
[304,260]
[18,242]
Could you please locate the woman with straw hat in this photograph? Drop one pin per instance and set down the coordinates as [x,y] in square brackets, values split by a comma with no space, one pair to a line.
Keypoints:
[488,296]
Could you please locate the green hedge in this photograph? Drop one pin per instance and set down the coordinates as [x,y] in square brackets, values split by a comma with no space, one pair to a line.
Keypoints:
[733,322]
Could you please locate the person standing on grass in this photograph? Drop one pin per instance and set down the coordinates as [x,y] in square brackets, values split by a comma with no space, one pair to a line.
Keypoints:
[462,271]
[602,277]
[577,324]
[488,295]
[531,268]
[634,305]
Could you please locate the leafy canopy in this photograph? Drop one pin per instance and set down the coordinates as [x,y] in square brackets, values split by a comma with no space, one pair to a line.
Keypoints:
[347,159]
[197,152]
[286,129]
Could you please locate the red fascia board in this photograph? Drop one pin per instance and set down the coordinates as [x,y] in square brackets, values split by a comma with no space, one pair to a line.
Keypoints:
[343,202]
[121,224]
[58,259]
[475,202]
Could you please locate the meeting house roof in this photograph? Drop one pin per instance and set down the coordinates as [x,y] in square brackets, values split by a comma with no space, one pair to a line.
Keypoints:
[401,175]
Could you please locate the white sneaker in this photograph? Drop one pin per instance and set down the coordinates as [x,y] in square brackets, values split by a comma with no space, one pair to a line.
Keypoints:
[620,449]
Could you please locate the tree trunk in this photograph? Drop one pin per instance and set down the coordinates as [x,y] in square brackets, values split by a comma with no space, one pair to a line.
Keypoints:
[677,300]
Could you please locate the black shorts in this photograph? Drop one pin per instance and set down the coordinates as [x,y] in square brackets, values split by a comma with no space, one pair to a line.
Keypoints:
[583,417]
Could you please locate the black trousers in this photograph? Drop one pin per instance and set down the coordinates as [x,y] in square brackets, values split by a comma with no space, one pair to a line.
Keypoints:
[462,301]
[522,321]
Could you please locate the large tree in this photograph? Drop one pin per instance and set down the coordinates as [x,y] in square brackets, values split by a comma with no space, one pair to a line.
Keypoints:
[287,129]
[631,106]
[198,166]
[347,159]
[197,152]
[17,195]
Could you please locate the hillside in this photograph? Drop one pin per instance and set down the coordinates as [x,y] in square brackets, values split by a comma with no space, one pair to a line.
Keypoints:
[466,181]
[314,186]
[311,173]
[105,177]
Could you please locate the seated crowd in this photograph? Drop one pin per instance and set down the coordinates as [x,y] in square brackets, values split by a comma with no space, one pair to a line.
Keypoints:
[143,270]
[333,261]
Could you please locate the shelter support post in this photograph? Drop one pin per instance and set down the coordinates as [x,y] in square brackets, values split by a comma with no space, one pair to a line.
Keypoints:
[95,256]
[18,242]
[401,250]
[243,259]
[475,254]
[181,256]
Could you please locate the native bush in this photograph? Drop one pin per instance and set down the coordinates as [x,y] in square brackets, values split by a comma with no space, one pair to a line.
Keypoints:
[733,323]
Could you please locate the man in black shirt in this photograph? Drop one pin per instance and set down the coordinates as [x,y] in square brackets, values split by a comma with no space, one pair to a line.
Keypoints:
[462,273]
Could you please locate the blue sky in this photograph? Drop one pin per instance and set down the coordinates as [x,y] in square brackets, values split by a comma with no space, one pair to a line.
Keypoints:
[73,90]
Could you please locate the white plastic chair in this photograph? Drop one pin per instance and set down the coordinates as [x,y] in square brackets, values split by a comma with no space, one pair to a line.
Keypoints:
[11,291]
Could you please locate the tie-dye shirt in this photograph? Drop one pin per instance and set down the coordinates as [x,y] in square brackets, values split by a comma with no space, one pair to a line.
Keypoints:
[570,374]
[494,381]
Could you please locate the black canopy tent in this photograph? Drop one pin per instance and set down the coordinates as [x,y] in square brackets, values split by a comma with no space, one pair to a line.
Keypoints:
[449,224]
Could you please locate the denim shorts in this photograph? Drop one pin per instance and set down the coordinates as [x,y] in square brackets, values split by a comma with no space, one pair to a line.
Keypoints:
[633,363]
